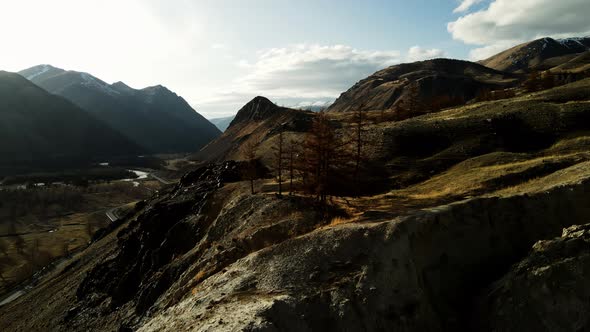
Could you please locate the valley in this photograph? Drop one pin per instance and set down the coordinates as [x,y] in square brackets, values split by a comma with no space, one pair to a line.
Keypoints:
[433,194]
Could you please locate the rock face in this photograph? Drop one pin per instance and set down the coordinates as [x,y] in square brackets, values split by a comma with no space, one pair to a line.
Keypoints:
[417,273]
[547,291]
[426,82]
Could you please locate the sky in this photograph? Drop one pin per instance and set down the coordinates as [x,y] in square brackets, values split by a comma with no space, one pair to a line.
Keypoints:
[219,54]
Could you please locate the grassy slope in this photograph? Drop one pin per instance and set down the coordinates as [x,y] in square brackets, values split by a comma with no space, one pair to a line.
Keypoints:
[457,170]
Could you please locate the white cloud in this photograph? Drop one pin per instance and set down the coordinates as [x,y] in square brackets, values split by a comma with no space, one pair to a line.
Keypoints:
[509,22]
[307,75]
[220,46]
[417,53]
[465,5]
[485,52]
[311,71]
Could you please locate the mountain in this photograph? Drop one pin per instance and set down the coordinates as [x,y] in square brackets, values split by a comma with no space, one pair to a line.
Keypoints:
[222,123]
[444,81]
[540,54]
[466,235]
[38,128]
[257,121]
[154,117]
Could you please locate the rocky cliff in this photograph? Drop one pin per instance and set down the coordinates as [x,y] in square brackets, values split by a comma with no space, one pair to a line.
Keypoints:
[546,291]
[208,256]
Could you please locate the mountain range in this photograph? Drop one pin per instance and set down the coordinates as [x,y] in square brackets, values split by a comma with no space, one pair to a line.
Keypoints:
[38,128]
[475,218]
[394,87]
[542,54]
[155,118]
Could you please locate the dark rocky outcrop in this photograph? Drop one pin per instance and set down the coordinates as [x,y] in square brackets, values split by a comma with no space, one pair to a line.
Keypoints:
[416,273]
[549,290]
[169,227]
[258,109]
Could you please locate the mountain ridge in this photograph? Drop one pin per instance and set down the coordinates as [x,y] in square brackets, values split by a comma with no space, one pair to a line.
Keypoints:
[40,127]
[531,55]
[391,88]
[153,117]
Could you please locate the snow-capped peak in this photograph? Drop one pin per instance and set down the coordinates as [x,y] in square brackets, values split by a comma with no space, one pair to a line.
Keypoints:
[91,81]
[42,69]
[577,41]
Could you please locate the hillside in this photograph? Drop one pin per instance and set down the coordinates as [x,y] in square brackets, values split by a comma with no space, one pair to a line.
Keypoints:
[155,117]
[443,82]
[257,122]
[468,192]
[39,129]
[540,54]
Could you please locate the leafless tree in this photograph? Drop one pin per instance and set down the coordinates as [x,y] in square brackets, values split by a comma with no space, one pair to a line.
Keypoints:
[533,81]
[19,244]
[292,152]
[279,157]
[321,150]
[358,142]
[250,155]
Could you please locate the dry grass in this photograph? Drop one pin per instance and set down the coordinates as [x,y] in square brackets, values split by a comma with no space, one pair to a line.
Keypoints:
[340,220]
[47,238]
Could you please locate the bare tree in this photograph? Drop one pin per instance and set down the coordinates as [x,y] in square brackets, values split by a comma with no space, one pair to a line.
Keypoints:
[414,103]
[358,141]
[34,254]
[547,80]
[292,152]
[3,247]
[250,155]
[89,230]
[5,263]
[321,148]
[279,156]
[65,249]
[533,81]
[19,244]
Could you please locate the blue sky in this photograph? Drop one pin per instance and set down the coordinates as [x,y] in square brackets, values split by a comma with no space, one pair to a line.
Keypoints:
[372,24]
[218,54]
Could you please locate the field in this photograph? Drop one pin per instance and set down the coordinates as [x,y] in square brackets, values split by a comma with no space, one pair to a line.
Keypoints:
[39,225]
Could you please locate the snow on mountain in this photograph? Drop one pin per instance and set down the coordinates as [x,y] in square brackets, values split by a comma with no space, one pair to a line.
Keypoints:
[90,81]
[575,42]
[42,70]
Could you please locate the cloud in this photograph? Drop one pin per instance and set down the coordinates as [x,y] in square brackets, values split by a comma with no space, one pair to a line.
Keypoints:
[465,5]
[220,46]
[417,53]
[305,75]
[311,71]
[509,22]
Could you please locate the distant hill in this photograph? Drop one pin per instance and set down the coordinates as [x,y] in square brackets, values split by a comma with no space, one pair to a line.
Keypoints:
[257,121]
[222,123]
[454,80]
[155,117]
[541,54]
[38,129]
